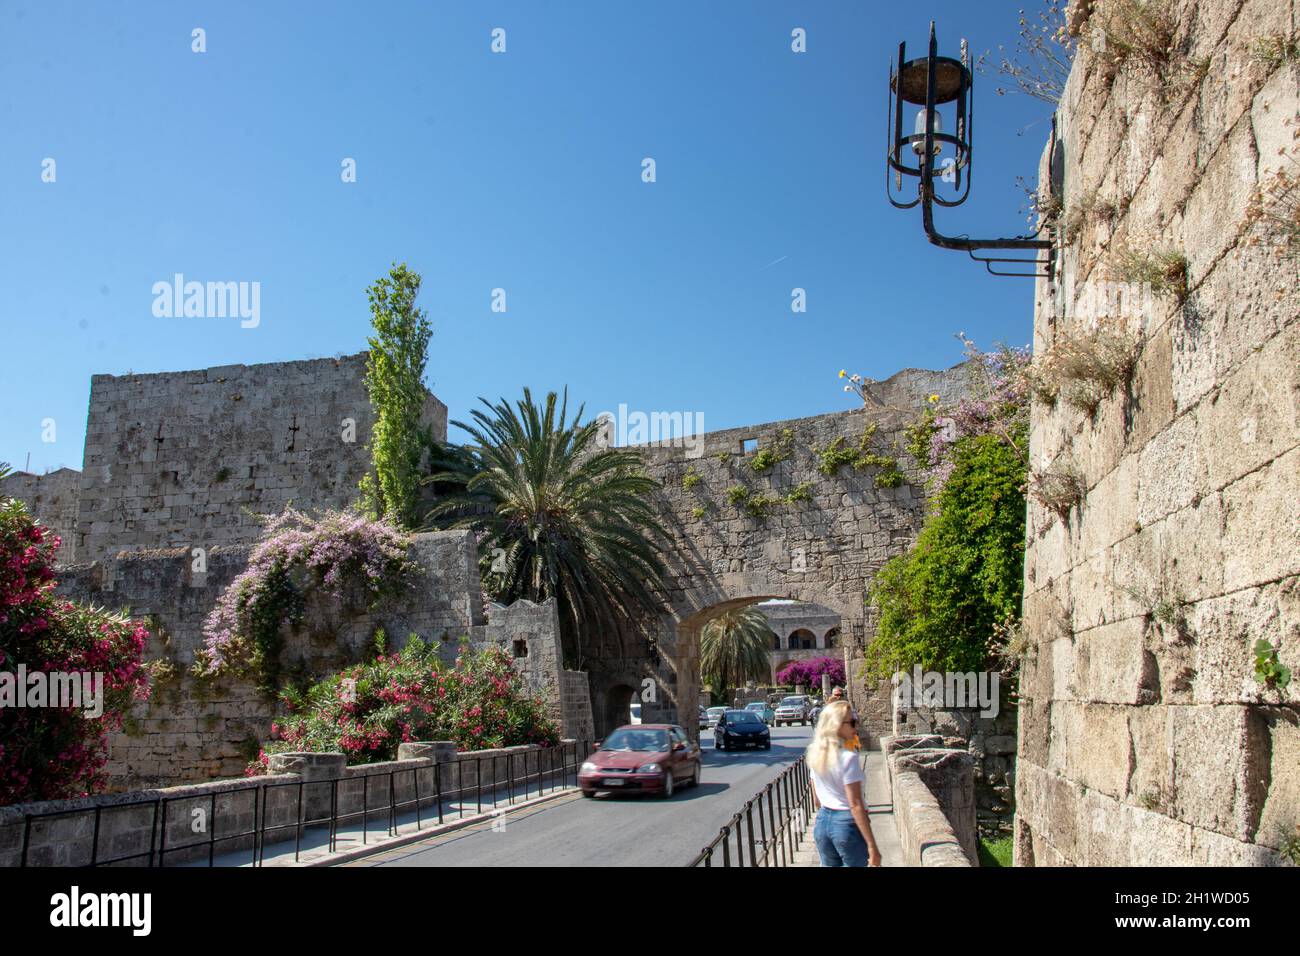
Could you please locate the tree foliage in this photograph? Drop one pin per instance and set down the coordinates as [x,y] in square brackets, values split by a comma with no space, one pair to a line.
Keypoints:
[733,649]
[50,752]
[399,351]
[557,515]
[940,603]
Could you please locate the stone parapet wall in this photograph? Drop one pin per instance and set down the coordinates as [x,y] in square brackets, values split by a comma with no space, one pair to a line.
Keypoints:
[157,826]
[1144,737]
[933,792]
[991,742]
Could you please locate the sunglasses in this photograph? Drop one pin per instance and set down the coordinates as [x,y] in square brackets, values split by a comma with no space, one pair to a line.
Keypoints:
[852,722]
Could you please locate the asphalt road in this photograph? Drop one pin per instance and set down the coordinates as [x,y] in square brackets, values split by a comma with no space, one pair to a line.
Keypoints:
[616,830]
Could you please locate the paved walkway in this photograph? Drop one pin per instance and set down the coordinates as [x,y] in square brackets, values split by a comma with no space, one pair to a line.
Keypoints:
[881,807]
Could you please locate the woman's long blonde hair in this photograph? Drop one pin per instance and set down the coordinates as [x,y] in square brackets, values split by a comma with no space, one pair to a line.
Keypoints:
[825,747]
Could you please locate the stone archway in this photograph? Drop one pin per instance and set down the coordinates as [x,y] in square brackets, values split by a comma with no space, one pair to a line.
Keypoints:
[612,707]
[745,527]
[801,639]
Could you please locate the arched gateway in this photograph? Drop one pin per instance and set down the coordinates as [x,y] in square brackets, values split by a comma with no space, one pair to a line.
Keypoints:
[783,510]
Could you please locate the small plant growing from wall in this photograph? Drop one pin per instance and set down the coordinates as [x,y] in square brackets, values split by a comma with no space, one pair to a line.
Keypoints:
[838,453]
[697,513]
[1010,645]
[1276,50]
[800,492]
[1057,491]
[1142,35]
[1087,209]
[1040,63]
[1269,671]
[1273,212]
[1290,845]
[1085,366]
[1164,270]
[1165,606]
[691,478]
[772,455]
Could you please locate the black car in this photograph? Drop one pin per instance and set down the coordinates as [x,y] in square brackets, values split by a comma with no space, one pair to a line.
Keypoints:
[741,728]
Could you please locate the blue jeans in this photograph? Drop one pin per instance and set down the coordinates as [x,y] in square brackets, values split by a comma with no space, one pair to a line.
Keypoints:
[839,841]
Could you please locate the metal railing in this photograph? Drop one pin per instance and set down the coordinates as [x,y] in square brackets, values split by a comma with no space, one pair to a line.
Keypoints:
[769,828]
[556,768]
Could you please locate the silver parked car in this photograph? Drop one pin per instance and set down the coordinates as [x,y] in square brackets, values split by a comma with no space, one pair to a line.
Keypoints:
[793,710]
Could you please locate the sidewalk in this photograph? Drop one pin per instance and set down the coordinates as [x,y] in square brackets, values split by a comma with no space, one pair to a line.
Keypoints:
[881,808]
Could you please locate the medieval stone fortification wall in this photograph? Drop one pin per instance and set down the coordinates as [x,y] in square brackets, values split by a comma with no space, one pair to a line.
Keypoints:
[1144,737]
[823,549]
[189,459]
[193,730]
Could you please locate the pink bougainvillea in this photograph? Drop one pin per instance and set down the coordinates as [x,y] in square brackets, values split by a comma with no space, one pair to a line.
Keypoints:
[808,672]
[340,553]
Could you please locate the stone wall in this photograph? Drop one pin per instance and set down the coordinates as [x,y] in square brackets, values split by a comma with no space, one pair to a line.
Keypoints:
[53,499]
[824,550]
[932,787]
[189,459]
[1144,737]
[156,827]
[193,730]
[991,743]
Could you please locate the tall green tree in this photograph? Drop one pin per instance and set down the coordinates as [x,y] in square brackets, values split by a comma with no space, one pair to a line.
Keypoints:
[733,649]
[557,515]
[399,350]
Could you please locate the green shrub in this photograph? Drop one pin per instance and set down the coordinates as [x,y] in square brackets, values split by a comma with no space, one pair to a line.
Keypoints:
[940,602]
[367,710]
[774,454]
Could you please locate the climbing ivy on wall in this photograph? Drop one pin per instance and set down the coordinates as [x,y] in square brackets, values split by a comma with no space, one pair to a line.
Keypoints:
[399,350]
[837,453]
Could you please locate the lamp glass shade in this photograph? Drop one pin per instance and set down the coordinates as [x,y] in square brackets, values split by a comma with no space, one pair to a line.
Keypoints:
[936,125]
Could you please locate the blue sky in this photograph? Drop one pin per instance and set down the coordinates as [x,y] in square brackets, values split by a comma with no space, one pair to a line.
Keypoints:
[519,171]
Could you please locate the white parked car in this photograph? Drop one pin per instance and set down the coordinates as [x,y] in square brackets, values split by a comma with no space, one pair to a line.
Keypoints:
[793,710]
[714,713]
[636,714]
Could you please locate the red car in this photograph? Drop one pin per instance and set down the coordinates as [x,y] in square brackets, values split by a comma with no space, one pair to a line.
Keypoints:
[655,758]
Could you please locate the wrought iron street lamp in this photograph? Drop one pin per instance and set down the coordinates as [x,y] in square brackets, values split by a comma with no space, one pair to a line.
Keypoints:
[935,157]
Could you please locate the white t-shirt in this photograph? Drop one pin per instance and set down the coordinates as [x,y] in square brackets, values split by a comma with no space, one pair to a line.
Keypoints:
[833,790]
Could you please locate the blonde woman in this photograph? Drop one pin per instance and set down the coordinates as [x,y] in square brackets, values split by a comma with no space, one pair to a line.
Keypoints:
[842,831]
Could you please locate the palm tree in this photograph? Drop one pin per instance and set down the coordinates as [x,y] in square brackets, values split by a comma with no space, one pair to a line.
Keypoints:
[557,515]
[733,648]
